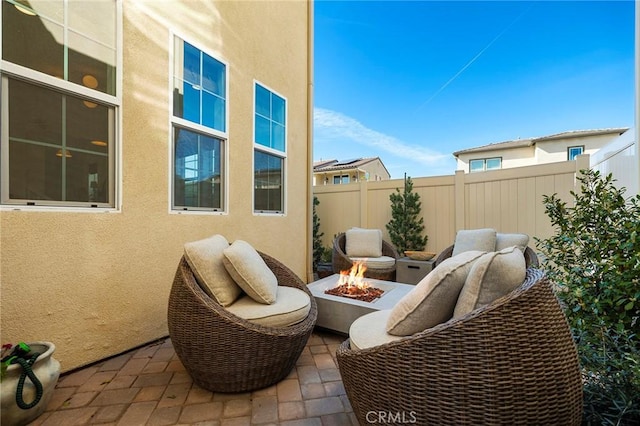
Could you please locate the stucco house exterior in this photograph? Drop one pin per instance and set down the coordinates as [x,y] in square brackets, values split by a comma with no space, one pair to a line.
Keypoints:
[130,127]
[526,152]
[334,172]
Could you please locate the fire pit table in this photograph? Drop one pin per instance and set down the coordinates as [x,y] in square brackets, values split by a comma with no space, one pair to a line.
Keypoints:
[338,312]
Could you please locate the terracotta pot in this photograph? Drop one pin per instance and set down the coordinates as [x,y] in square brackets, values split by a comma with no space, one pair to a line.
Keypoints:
[46,369]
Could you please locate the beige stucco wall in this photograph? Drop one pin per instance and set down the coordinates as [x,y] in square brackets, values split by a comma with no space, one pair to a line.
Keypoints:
[556,150]
[97,284]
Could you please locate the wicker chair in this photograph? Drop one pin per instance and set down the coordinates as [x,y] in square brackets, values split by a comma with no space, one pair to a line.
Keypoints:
[511,362]
[341,261]
[225,353]
[530,257]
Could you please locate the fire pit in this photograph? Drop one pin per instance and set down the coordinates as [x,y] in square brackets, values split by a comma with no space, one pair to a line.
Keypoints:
[337,312]
[353,285]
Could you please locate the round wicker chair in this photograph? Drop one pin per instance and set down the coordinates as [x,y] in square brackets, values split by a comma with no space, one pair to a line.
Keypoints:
[225,353]
[509,363]
[341,262]
[530,257]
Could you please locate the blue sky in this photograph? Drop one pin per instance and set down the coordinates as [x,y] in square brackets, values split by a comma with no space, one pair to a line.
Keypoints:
[413,82]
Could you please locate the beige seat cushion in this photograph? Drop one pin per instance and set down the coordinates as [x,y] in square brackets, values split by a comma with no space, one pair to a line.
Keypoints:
[492,276]
[205,259]
[250,272]
[292,305]
[434,298]
[507,240]
[363,242]
[382,262]
[371,330]
[474,239]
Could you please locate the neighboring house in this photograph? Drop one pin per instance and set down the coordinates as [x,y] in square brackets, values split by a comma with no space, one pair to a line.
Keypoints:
[525,152]
[334,172]
[130,128]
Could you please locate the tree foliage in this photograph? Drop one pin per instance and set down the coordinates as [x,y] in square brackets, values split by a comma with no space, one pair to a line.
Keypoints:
[406,225]
[318,249]
[594,260]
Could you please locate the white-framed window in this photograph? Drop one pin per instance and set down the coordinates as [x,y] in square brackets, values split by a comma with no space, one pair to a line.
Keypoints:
[482,164]
[199,129]
[60,100]
[340,179]
[574,151]
[270,150]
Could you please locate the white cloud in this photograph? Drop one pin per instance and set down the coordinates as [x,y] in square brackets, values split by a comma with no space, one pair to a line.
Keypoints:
[332,125]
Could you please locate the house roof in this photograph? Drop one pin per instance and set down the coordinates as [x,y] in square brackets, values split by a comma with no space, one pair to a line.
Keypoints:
[519,143]
[334,165]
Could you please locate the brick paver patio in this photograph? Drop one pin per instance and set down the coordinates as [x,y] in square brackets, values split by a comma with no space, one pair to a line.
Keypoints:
[149,386]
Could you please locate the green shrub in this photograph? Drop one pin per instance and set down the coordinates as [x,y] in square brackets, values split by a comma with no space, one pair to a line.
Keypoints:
[594,261]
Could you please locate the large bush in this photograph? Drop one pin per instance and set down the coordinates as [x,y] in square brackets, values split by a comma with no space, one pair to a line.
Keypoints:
[594,260]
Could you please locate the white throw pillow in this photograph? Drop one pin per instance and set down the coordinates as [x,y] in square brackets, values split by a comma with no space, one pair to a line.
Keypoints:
[250,272]
[434,298]
[205,259]
[474,239]
[504,241]
[494,275]
[363,242]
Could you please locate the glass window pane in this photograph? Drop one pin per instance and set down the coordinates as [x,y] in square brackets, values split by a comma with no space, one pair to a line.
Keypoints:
[86,177]
[213,75]
[494,163]
[278,109]
[35,113]
[574,151]
[191,103]
[51,9]
[277,134]
[32,41]
[263,101]
[336,180]
[35,172]
[476,165]
[58,146]
[267,182]
[213,111]
[197,170]
[191,64]
[263,131]
[95,19]
[91,64]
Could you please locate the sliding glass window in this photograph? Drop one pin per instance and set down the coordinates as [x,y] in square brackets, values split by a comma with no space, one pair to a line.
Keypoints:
[199,123]
[59,103]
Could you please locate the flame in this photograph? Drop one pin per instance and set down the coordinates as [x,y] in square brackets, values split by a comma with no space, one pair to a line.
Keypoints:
[354,276]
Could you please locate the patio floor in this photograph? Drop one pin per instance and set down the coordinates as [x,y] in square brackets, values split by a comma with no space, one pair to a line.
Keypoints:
[149,386]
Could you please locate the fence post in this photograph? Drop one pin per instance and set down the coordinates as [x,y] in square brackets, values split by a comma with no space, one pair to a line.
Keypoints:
[459,207]
[364,204]
[583,162]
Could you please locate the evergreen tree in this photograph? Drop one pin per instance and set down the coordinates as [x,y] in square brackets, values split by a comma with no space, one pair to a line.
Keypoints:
[317,236]
[406,226]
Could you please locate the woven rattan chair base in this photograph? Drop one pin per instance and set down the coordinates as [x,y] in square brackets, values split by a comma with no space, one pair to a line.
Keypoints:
[225,353]
[513,362]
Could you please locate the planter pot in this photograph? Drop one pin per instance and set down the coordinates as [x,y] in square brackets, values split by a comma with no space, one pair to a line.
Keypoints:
[46,369]
[324,270]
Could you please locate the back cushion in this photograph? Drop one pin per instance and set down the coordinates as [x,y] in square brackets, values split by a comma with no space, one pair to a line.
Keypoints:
[205,259]
[474,239]
[507,240]
[250,272]
[492,276]
[363,242]
[433,299]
